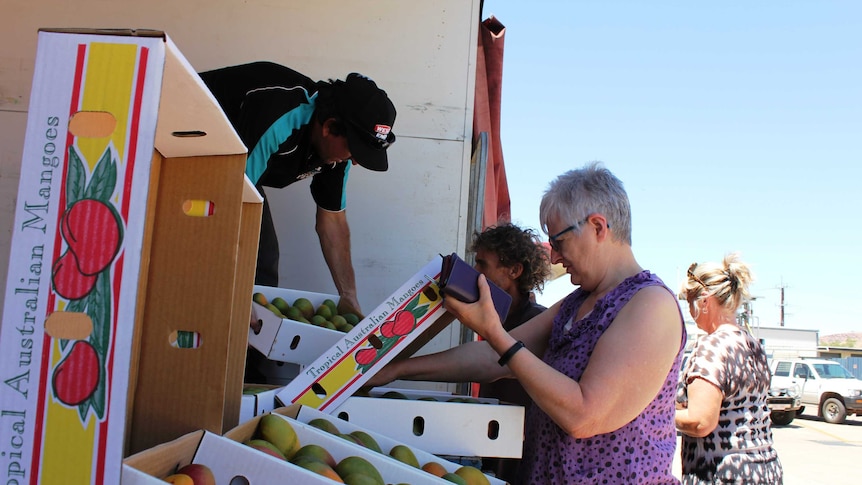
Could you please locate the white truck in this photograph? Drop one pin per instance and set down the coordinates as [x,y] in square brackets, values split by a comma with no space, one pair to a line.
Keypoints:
[819,382]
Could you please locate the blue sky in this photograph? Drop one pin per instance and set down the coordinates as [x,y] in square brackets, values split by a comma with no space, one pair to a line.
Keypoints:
[735,126]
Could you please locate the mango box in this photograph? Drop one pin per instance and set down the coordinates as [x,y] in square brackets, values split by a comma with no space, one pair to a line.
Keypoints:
[231,462]
[399,326]
[392,470]
[286,340]
[306,414]
[441,427]
[257,399]
[135,234]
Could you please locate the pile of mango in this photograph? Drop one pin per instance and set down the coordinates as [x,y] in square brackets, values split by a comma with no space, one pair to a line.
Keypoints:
[276,437]
[465,475]
[302,310]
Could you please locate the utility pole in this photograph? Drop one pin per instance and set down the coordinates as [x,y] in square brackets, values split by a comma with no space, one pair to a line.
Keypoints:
[781,304]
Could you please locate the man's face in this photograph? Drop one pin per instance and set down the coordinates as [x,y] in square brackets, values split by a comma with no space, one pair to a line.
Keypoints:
[331,148]
[488,263]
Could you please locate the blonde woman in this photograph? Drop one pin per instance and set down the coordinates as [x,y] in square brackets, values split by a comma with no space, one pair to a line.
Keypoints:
[721,399]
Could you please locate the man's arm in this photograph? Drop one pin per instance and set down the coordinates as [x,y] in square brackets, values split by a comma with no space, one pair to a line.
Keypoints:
[334,235]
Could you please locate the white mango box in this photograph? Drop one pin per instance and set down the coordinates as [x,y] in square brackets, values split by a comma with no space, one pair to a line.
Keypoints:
[229,460]
[287,340]
[431,421]
[257,399]
[392,470]
[407,319]
[306,414]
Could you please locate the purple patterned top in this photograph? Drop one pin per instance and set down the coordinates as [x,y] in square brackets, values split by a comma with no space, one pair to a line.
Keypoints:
[641,452]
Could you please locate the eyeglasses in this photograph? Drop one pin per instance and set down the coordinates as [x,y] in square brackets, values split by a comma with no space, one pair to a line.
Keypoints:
[554,240]
[694,277]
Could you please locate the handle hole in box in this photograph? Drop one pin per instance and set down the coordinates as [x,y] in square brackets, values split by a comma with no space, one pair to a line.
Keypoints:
[189,134]
[198,208]
[375,341]
[318,390]
[92,124]
[295,342]
[185,339]
[418,426]
[343,416]
[257,326]
[493,430]
[239,480]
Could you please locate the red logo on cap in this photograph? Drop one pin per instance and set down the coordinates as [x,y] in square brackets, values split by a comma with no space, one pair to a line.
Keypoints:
[382,131]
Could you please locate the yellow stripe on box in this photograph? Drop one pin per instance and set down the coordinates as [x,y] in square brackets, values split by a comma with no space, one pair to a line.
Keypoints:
[109,80]
[69,446]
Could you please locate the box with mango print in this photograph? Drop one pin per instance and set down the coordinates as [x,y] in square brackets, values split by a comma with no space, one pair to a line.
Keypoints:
[398,327]
[118,124]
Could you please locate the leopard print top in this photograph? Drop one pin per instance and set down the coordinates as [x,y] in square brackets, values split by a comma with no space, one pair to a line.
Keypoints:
[739,449]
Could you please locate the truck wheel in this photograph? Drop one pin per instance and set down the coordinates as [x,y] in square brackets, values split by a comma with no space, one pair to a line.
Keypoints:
[782,418]
[833,411]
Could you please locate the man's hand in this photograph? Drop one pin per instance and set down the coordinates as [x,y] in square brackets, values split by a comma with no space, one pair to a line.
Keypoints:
[349,304]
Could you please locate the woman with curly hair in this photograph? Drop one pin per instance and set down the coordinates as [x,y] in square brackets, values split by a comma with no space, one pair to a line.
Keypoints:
[721,399]
[513,259]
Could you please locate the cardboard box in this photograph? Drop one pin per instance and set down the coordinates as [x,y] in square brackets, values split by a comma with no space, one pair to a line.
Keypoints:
[230,462]
[288,340]
[399,326]
[392,470]
[484,429]
[257,399]
[386,443]
[106,267]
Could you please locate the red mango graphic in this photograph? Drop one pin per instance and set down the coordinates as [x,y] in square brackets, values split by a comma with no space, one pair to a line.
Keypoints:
[92,230]
[77,376]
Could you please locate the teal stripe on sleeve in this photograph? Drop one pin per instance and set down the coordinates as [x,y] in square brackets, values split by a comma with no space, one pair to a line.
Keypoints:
[344,184]
[274,136]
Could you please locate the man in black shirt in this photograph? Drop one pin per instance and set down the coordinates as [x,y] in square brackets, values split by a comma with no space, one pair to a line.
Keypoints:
[296,128]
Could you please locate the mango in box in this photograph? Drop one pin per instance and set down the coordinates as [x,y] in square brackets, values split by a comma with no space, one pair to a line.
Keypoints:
[303,310]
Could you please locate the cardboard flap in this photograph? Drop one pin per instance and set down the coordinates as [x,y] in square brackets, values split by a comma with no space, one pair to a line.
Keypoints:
[191,122]
[250,193]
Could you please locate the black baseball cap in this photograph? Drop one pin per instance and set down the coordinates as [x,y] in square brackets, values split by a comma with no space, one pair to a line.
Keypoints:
[368,116]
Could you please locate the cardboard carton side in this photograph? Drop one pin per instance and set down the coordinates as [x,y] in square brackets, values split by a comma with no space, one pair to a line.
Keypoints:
[249,233]
[191,289]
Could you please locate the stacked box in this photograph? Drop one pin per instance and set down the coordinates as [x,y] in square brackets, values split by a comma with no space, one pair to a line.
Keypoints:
[286,340]
[392,470]
[257,399]
[306,414]
[135,236]
[483,428]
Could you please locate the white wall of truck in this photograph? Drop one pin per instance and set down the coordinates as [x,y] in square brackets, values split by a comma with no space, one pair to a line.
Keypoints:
[422,52]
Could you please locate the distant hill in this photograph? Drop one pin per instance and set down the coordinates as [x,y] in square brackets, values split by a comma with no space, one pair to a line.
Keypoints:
[847,339]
